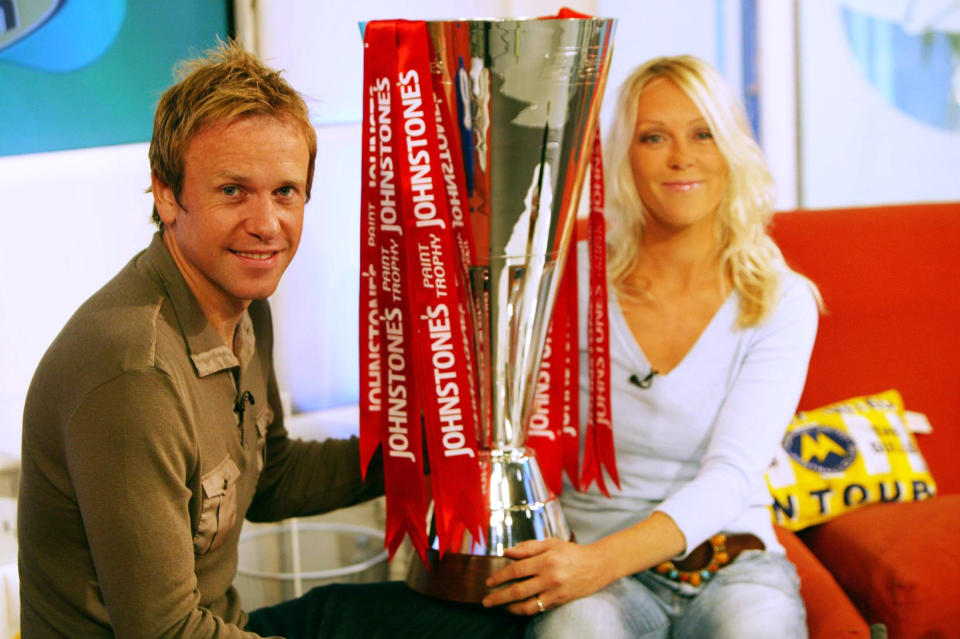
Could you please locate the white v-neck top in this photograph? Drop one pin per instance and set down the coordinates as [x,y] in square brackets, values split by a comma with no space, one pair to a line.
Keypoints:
[696,443]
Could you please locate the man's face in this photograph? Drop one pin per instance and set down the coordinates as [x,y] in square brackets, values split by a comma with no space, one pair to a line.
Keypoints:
[238,222]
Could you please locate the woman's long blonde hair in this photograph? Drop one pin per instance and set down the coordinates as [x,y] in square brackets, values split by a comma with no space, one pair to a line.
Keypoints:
[749,257]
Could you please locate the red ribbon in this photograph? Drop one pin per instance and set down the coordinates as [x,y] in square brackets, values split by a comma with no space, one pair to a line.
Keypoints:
[544,428]
[415,253]
[386,262]
[567,12]
[553,430]
[437,303]
[553,427]
[570,400]
[599,447]
[375,72]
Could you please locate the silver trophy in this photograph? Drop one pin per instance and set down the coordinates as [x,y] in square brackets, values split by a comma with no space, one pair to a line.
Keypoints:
[525,95]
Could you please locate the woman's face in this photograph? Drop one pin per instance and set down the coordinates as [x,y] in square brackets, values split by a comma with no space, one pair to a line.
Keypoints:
[678,169]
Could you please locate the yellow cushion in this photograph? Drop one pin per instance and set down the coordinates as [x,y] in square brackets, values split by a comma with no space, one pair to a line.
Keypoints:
[846,455]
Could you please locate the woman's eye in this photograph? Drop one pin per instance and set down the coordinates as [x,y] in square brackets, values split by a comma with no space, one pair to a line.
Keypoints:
[704,135]
[651,138]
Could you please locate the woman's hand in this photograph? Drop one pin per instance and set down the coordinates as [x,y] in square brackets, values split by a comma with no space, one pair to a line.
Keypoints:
[552,570]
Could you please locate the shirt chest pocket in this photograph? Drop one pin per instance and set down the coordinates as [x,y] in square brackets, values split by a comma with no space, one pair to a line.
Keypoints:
[219,514]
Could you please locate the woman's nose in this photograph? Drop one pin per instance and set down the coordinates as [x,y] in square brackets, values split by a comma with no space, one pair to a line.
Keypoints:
[680,156]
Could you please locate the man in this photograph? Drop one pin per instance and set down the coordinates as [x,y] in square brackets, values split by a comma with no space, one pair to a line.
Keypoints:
[153,423]
[153,426]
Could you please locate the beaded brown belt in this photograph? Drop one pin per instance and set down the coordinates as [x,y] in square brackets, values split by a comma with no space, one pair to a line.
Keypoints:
[707,558]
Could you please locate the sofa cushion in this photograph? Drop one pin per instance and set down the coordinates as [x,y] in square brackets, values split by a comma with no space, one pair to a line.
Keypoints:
[845,456]
[898,563]
[830,613]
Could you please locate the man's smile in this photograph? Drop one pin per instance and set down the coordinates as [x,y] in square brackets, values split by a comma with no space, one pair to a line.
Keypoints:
[255,255]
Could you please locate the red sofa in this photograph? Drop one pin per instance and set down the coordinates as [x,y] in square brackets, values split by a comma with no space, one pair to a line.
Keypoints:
[892,295]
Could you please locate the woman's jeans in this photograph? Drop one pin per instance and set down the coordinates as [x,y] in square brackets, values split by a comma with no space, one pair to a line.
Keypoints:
[756,596]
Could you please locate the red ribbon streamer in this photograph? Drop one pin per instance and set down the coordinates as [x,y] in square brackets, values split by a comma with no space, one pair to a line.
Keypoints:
[570,417]
[374,68]
[544,428]
[416,241]
[553,430]
[436,306]
[385,260]
[599,447]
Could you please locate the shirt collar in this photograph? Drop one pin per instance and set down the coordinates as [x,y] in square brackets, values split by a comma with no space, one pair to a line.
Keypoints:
[207,351]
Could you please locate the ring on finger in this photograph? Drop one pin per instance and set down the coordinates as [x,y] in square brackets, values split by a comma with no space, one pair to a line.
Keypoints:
[539,604]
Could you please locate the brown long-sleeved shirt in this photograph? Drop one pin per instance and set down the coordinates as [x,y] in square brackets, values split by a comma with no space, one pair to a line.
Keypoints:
[146,441]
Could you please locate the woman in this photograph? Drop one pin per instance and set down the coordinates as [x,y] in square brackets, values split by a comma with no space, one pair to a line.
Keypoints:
[711,336]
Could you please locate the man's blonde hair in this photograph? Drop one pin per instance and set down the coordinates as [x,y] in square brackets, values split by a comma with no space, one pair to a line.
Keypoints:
[226,83]
[749,257]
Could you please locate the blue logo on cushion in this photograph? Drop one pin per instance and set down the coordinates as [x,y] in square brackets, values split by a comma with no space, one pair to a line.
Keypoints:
[821,448]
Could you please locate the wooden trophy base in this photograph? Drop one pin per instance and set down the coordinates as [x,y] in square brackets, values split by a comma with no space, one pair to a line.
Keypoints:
[456,577]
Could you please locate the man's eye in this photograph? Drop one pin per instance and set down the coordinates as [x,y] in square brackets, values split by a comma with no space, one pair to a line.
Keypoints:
[230,190]
[286,191]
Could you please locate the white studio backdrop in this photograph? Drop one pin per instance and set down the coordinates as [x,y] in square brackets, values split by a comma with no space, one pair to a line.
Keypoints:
[73,219]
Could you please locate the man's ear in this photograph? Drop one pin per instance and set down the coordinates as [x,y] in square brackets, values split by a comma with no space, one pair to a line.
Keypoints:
[164,200]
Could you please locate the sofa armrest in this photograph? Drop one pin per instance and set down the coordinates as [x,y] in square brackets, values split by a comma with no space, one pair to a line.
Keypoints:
[830,613]
[898,562]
